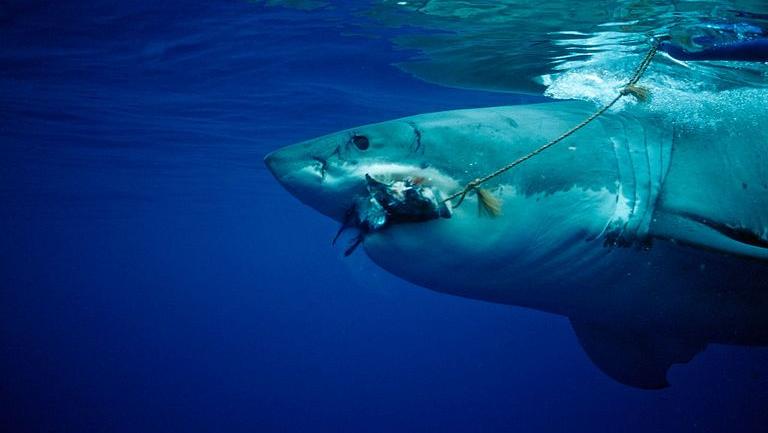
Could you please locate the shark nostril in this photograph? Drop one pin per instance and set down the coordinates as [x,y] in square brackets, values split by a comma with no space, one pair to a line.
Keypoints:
[323,165]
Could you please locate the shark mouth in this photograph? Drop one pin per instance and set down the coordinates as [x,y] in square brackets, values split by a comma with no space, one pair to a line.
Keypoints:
[407,200]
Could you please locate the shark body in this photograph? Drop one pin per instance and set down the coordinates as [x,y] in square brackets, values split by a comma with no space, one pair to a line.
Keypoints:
[654,242]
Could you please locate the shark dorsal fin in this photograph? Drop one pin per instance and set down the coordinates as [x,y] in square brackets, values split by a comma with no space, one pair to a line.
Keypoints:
[634,359]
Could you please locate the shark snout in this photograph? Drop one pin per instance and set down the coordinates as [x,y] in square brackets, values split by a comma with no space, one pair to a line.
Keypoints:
[294,168]
[306,176]
[281,164]
[269,160]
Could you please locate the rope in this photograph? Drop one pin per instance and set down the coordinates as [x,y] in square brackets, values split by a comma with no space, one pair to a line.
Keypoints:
[628,89]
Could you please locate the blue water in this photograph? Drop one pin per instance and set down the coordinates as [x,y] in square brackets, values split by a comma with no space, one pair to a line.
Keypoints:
[155,278]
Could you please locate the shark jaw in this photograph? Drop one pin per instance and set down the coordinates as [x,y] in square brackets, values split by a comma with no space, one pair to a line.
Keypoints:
[333,188]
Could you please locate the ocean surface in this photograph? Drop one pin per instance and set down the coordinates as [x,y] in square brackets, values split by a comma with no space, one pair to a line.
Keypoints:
[154,277]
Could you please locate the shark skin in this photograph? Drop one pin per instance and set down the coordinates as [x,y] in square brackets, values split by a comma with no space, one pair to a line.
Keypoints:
[653,242]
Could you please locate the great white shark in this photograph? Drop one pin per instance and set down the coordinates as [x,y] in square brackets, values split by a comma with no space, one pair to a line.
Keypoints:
[652,240]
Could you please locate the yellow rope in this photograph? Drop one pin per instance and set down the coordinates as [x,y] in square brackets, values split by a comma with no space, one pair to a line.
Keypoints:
[628,89]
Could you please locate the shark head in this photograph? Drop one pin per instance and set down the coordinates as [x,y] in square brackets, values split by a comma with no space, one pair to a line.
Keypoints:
[329,173]
[550,205]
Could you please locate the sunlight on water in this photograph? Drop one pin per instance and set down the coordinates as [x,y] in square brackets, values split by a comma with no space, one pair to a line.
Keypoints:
[511,45]
[583,50]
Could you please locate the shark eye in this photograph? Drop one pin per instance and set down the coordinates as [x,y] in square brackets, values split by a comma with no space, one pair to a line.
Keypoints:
[361,141]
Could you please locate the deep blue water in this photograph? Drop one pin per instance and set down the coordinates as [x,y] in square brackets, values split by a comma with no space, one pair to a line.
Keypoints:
[155,278]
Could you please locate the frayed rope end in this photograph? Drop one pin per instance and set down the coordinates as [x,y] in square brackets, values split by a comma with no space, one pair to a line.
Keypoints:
[641,93]
[488,205]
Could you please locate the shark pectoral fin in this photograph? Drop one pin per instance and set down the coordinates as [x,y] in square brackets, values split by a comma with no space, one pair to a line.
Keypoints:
[709,234]
[634,359]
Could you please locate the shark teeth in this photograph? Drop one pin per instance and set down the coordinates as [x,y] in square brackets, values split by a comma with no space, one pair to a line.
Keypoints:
[391,172]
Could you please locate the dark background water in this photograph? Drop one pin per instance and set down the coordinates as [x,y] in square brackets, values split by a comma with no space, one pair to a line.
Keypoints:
[153,277]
